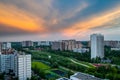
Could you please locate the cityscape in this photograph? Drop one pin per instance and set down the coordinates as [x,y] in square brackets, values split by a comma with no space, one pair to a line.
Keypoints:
[60,40]
[60,60]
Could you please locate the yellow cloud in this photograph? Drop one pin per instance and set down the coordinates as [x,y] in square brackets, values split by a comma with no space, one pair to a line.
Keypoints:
[14,17]
[92,22]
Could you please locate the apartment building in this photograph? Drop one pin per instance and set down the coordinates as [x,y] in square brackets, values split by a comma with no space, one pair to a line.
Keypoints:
[18,62]
[97,45]
[23,66]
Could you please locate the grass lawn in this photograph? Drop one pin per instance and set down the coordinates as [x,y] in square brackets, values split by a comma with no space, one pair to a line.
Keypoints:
[40,65]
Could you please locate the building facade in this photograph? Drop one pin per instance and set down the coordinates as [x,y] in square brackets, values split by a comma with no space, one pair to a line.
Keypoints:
[69,44]
[57,45]
[6,62]
[97,45]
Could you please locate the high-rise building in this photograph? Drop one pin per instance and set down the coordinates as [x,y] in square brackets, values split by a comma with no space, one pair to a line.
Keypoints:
[97,45]
[23,69]
[18,62]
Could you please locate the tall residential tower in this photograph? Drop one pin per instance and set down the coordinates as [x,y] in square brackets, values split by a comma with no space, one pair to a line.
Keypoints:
[97,45]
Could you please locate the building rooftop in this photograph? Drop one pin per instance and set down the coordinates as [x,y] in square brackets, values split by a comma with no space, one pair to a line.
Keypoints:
[63,78]
[83,76]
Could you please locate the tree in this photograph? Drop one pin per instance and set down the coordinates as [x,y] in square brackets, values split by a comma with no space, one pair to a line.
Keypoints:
[1,76]
[109,76]
[69,73]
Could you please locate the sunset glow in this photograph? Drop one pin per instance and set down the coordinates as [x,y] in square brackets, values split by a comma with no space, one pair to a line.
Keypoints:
[66,19]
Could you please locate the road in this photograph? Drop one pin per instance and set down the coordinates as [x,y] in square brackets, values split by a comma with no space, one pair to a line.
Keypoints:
[79,63]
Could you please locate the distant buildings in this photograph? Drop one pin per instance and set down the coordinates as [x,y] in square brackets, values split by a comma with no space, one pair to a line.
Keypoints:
[97,45]
[112,44]
[57,46]
[43,43]
[69,45]
[27,43]
[6,45]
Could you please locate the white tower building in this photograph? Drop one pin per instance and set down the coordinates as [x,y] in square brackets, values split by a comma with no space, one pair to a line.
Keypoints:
[97,45]
[23,66]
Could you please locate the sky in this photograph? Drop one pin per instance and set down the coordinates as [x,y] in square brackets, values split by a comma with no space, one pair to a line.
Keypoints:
[58,19]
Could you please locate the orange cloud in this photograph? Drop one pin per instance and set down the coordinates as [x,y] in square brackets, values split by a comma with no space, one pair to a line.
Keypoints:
[14,17]
[92,22]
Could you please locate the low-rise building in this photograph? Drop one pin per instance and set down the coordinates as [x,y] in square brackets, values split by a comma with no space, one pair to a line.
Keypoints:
[115,49]
[81,50]
[44,43]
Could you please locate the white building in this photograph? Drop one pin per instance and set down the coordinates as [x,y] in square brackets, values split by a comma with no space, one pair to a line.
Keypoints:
[44,43]
[97,45]
[19,63]
[81,50]
[115,49]
[23,66]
